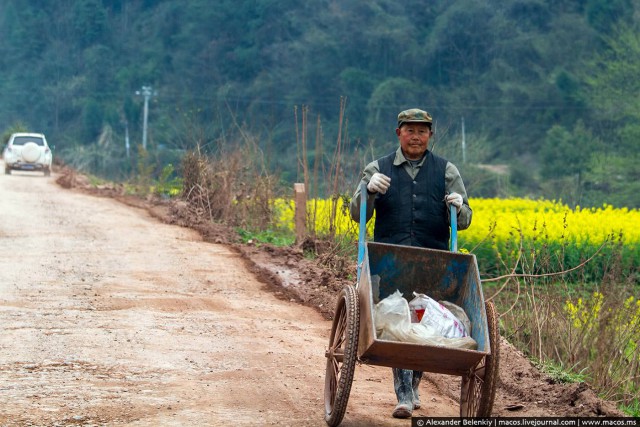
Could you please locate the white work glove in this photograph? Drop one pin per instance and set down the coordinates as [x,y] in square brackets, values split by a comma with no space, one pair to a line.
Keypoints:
[379,183]
[454,199]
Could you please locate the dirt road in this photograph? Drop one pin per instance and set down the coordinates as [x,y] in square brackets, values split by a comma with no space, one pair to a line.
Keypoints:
[110,317]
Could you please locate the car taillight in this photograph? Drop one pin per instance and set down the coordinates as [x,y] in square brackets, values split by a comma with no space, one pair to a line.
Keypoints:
[46,150]
[8,149]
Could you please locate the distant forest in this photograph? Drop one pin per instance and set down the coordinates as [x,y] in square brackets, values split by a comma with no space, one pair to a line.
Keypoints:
[547,91]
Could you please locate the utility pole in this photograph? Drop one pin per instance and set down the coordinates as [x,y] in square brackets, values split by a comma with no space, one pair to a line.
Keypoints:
[464,144]
[126,137]
[147,92]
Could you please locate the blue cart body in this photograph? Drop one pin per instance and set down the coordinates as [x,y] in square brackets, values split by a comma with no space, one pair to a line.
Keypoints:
[439,274]
[442,275]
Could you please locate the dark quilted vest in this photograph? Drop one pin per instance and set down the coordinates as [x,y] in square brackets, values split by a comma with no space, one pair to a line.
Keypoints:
[413,212]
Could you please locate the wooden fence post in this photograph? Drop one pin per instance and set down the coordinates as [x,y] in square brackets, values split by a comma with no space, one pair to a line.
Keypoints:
[300,200]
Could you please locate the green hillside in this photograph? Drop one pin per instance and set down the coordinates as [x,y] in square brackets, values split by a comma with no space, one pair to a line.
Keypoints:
[547,89]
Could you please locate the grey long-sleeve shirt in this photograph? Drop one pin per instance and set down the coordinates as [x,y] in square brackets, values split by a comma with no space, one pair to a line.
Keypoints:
[453,183]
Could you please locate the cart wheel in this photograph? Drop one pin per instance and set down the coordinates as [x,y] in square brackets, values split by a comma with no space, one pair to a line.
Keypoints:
[479,386]
[341,356]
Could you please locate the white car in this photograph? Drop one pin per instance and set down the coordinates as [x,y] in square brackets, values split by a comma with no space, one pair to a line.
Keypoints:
[27,152]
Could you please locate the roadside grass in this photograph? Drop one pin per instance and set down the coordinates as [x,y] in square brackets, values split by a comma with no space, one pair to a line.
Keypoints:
[168,184]
[558,373]
[575,332]
[273,237]
[632,409]
[231,187]
[95,181]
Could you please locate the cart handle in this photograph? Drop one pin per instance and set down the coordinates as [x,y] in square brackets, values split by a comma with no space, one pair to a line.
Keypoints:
[453,244]
[363,227]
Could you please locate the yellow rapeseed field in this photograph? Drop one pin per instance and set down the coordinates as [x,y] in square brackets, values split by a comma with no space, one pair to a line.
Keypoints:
[552,221]
[533,219]
[501,226]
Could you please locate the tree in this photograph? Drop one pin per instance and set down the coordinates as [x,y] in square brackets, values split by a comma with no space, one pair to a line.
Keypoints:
[565,157]
[614,89]
[390,95]
[514,69]
[604,16]
[567,153]
[89,21]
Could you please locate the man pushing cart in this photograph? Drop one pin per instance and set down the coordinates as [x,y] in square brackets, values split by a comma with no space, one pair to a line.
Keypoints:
[418,197]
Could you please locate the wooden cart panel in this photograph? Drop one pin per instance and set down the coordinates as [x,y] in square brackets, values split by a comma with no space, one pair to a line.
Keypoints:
[442,275]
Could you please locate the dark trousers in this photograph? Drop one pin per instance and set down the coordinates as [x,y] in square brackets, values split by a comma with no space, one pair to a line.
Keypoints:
[405,384]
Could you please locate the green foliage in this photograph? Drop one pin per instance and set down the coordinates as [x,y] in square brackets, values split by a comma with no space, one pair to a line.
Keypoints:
[16,127]
[522,177]
[89,21]
[273,237]
[558,373]
[604,16]
[566,161]
[484,183]
[92,120]
[144,172]
[618,176]
[516,70]
[168,183]
[614,89]
[392,91]
[632,409]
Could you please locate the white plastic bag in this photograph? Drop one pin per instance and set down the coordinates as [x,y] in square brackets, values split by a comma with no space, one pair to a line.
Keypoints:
[392,321]
[417,307]
[438,317]
[460,314]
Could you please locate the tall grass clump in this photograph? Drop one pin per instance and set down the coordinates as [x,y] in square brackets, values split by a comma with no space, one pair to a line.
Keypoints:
[168,183]
[327,218]
[603,336]
[590,330]
[230,186]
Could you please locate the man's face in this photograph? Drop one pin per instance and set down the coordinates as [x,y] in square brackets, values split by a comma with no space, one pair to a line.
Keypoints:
[414,139]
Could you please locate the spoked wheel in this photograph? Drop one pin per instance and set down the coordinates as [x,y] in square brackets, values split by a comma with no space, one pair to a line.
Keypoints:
[341,355]
[479,386]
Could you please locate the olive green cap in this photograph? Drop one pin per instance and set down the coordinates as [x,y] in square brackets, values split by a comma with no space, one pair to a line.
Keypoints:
[414,115]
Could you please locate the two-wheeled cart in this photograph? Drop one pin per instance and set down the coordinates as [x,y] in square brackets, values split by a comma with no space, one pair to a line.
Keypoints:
[443,275]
